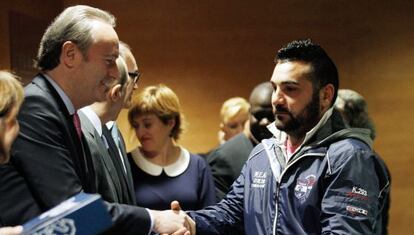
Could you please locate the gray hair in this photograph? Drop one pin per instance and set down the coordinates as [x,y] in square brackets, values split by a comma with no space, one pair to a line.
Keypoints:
[73,24]
[124,49]
[354,110]
[123,73]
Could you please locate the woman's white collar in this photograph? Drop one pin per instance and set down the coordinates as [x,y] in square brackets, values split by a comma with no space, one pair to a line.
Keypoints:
[172,170]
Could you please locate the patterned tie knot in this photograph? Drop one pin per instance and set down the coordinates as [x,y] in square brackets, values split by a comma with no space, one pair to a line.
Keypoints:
[77,124]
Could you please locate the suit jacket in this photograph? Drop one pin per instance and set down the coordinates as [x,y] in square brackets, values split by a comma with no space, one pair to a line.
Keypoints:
[120,144]
[55,163]
[15,198]
[227,161]
[107,180]
[116,146]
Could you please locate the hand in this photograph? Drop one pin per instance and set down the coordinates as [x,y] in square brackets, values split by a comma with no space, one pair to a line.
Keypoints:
[175,206]
[11,230]
[170,222]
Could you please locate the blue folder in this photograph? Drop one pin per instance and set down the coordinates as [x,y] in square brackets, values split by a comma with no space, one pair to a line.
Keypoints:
[82,214]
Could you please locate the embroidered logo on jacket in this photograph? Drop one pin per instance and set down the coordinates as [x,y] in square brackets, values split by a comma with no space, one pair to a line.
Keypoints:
[259,179]
[358,193]
[303,187]
[356,210]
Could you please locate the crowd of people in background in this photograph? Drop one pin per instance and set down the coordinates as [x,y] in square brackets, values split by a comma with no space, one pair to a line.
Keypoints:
[296,158]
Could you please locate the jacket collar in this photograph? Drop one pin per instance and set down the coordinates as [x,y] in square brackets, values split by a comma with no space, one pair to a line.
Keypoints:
[329,129]
[281,136]
[172,170]
[93,118]
[68,103]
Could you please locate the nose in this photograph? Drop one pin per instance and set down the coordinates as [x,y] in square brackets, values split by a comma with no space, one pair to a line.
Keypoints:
[137,131]
[277,97]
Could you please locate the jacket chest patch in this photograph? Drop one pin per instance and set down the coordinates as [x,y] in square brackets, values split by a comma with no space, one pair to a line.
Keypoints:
[259,179]
[303,187]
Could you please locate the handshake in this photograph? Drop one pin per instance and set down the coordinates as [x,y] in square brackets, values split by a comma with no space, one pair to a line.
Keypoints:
[174,221]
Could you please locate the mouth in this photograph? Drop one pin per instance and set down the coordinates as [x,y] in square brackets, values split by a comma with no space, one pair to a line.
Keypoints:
[144,139]
[281,114]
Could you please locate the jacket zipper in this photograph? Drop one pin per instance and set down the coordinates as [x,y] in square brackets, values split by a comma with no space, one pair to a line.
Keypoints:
[280,179]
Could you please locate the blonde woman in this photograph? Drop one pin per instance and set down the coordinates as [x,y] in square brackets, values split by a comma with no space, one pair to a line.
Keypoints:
[162,170]
[11,97]
[233,114]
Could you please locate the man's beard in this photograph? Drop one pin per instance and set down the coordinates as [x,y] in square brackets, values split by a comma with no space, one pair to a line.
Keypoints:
[301,123]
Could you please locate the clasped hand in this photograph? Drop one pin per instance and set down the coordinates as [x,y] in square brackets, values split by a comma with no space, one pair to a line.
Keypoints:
[174,221]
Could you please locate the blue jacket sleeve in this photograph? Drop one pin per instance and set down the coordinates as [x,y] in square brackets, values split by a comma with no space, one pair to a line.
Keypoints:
[351,203]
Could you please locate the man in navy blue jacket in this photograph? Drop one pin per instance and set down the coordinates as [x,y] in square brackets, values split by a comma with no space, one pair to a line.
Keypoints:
[314,176]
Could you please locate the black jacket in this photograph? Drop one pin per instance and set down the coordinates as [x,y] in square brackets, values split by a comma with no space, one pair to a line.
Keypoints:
[226,162]
[49,156]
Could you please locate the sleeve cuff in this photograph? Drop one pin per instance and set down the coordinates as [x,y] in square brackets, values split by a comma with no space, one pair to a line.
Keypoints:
[152,221]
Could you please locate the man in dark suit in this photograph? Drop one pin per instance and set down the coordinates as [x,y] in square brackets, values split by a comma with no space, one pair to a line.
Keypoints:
[78,50]
[117,142]
[111,166]
[108,184]
[228,159]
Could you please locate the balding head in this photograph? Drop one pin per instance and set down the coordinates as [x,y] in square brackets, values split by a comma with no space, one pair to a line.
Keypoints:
[261,94]
[132,70]
[354,110]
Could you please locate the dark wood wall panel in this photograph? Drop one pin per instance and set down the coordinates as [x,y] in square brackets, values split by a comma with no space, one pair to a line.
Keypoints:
[208,51]
[25,34]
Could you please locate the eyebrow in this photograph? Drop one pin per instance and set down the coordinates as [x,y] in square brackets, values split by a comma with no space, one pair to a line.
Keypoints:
[289,82]
[146,119]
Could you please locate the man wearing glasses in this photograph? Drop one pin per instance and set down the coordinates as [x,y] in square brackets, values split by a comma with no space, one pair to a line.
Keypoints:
[104,139]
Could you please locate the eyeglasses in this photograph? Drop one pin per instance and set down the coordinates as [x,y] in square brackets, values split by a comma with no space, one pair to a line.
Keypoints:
[135,76]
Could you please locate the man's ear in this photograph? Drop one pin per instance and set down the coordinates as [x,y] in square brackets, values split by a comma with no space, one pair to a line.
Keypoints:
[115,93]
[70,55]
[326,95]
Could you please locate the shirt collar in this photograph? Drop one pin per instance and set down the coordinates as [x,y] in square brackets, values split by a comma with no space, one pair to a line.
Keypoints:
[68,103]
[109,124]
[93,117]
[172,170]
[281,136]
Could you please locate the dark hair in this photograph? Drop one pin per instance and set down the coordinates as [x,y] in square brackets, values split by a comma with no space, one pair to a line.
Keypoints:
[73,24]
[324,71]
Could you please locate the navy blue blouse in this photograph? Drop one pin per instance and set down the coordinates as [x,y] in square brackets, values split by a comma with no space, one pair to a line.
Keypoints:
[193,188]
